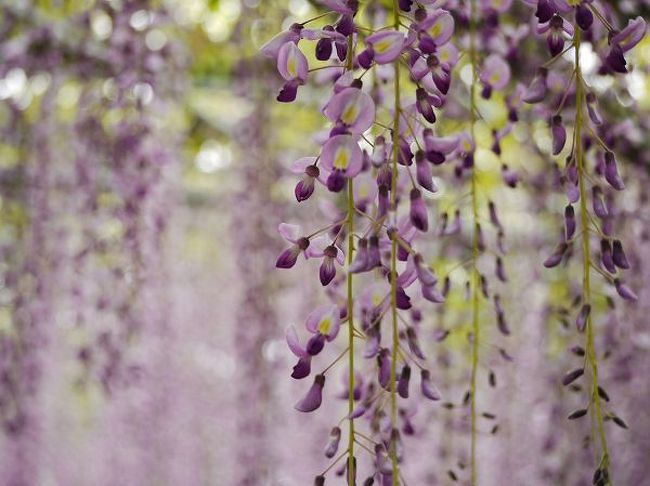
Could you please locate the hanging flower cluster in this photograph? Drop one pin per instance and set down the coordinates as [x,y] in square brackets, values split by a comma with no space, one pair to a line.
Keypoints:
[385,153]
[590,175]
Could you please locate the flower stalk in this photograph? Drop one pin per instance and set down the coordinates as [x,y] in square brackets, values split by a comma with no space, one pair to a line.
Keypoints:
[597,415]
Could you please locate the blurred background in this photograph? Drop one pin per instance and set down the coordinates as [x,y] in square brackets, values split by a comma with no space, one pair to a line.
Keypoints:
[143,173]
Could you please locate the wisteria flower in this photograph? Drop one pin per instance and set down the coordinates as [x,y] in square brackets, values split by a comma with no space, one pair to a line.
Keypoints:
[352,108]
[291,233]
[294,68]
[342,156]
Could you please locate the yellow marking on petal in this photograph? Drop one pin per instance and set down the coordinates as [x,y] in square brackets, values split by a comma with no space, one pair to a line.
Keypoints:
[325,325]
[494,79]
[382,46]
[435,30]
[363,192]
[291,66]
[376,299]
[342,158]
[350,114]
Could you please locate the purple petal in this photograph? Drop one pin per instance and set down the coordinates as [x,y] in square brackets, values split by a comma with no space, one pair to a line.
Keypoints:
[314,397]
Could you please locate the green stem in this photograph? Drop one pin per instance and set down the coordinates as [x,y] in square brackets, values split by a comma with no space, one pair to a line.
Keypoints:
[597,414]
[350,223]
[393,260]
[475,246]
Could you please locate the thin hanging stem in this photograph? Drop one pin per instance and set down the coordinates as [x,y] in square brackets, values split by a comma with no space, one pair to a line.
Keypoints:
[596,411]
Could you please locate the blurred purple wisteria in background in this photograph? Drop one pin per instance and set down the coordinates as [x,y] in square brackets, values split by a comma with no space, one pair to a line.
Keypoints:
[296,242]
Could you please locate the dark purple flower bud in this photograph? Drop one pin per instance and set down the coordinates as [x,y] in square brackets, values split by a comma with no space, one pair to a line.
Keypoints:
[345,25]
[366,57]
[405,5]
[545,11]
[439,73]
[288,257]
[315,344]
[319,481]
[384,364]
[289,91]
[336,181]
[328,269]
[427,45]
[583,316]
[615,60]
[333,443]
[611,172]
[555,39]
[429,390]
[620,260]
[594,114]
[302,368]
[500,271]
[606,256]
[314,396]
[403,300]
[619,421]
[598,203]
[360,263]
[341,50]
[537,89]
[625,291]
[324,49]
[305,187]
[584,17]
[405,155]
[572,376]
[569,222]
[423,172]
[418,213]
[557,255]
[423,104]
[501,316]
[414,345]
[559,134]
[403,383]
[494,219]
[577,414]
[383,201]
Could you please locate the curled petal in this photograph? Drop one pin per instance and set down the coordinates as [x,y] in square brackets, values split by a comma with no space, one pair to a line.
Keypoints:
[625,291]
[631,35]
[293,342]
[302,368]
[273,46]
[429,390]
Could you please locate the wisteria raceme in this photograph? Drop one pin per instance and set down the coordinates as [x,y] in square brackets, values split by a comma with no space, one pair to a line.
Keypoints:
[362,141]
